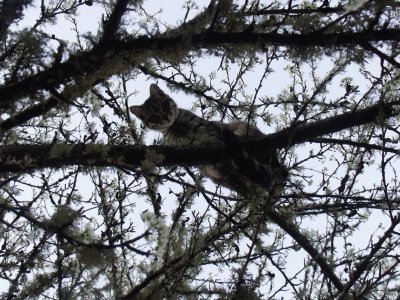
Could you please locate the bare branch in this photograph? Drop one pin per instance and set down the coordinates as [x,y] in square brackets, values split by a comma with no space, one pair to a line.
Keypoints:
[117,53]
[363,264]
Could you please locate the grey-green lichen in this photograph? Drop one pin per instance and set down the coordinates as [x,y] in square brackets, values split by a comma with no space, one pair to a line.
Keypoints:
[63,216]
[95,257]
[151,159]
[58,151]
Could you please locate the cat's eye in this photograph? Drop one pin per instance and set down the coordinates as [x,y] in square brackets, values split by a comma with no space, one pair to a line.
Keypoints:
[166,106]
[153,119]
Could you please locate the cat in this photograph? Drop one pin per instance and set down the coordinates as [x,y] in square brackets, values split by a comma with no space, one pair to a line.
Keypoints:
[241,172]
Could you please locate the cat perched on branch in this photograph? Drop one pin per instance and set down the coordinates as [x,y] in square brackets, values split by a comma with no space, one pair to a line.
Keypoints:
[241,171]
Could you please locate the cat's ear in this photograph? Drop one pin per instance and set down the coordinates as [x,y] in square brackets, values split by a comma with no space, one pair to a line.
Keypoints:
[155,91]
[137,110]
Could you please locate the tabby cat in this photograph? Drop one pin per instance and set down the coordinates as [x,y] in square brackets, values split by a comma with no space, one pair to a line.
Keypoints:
[241,172]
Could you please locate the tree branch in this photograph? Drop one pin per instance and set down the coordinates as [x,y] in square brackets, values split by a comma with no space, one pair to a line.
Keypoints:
[114,52]
[28,114]
[112,24]
[380,54]
[9,11]
[355,144]
[291,136]
[363,264]
[19,158]
[290,229]
[284,11]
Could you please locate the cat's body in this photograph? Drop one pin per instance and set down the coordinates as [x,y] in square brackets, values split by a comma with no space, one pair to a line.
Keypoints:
[240,172]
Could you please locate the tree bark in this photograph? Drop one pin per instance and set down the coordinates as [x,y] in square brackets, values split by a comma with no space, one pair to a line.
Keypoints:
[18,158]
[116,56]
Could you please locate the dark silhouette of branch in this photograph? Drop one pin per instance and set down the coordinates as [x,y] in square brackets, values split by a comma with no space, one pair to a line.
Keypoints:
[348,202]
[380,54]
[355,144]
[182,261]
[320,10]
[28,114]
[363,264]
[284,11]
[55,99]
[17,158]
[213,39]
[112,24]
[300,134]
[116,52]
[289,228]
[9,11]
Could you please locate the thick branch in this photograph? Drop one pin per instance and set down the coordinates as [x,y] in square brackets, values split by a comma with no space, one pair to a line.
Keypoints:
[55,100]
[17,158]
[298,11]
[284,11]
[356,144]
[81,65]
[307,132]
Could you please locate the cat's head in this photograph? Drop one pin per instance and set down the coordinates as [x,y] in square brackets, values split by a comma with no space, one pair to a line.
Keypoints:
[158,112]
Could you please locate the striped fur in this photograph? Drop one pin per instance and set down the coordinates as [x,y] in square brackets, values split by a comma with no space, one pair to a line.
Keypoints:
[181,127]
